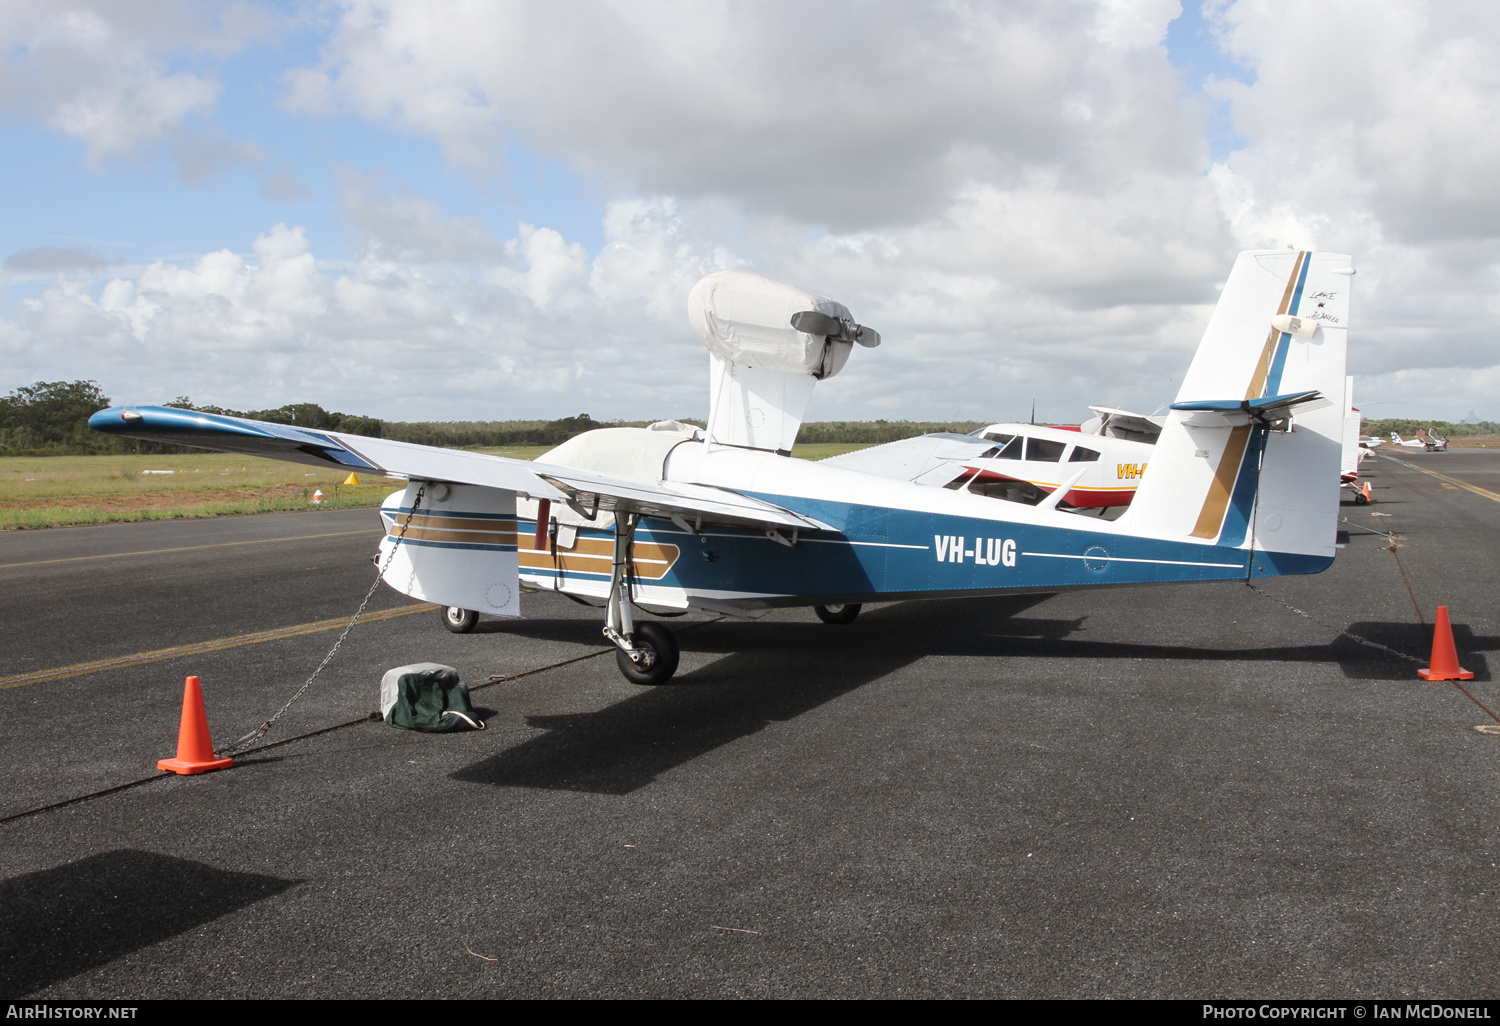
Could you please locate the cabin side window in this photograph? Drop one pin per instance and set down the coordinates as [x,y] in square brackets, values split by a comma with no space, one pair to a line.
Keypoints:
[997,436]
[1012,450]
[1043,450]
[1083,454]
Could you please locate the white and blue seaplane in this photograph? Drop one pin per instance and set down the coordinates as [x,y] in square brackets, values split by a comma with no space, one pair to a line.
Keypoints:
[1243,482]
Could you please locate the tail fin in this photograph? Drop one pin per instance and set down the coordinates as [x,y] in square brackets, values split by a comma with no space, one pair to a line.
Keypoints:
[1249,457]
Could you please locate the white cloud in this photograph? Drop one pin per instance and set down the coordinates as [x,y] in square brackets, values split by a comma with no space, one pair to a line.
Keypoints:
[1133,24]
[849,116]
[1365,133]
[101,73]
[1019,196]
[544,328]
[400,223]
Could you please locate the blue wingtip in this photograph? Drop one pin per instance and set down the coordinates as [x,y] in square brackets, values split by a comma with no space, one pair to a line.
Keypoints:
[225,434]
[168,420]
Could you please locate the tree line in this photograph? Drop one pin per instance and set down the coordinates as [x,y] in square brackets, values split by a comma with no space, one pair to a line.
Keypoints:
[1407,428]
[50,418]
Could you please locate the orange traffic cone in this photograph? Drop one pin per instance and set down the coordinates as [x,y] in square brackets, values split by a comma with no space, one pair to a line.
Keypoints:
[1444,653]
[1365,491]
[195,751]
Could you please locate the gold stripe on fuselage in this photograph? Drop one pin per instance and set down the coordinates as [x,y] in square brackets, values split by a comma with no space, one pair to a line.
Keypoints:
[458,530]
[596,556]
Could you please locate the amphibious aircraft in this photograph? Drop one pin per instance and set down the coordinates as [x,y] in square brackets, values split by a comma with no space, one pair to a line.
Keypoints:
[1243,482]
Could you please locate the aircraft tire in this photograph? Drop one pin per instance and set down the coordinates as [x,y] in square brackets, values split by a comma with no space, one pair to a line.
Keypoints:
[459,621]
[838,614]
[1360,500]
[664,652]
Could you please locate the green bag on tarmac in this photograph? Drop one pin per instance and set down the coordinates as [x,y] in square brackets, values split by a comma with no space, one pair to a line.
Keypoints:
[428,697]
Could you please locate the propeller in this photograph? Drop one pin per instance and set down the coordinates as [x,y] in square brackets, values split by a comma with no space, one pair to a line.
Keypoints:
[811,322]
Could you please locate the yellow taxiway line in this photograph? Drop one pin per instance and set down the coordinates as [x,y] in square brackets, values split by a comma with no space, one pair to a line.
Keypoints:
[217,645]
[190,548]
[1455,482]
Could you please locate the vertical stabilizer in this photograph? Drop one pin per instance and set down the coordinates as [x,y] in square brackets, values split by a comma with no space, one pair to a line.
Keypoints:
[1250,454]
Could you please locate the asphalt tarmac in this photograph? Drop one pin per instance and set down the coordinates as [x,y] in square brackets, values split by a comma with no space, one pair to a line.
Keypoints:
[1187,791]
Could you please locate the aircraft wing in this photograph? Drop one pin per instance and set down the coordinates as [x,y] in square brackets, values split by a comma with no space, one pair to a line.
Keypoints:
[332,449]
[664,498]
[928,459]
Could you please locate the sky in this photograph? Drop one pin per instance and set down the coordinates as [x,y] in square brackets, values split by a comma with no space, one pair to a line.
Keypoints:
[483,210]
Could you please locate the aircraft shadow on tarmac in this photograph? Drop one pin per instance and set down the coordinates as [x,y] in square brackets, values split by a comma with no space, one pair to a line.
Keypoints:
[57,923]
[777,671]
[785,671]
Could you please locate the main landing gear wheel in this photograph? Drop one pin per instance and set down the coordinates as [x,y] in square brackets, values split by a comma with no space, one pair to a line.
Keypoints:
[658,651]
[1360,500]
[459,621]
[837,614]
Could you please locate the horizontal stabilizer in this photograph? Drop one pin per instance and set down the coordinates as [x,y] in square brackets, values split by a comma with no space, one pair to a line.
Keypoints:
[1238,412]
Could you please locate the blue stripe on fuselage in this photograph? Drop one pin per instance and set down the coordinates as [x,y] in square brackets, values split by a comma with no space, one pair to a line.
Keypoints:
[882,551]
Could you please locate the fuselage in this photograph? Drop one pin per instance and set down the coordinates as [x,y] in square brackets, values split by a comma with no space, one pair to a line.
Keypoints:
[889,539]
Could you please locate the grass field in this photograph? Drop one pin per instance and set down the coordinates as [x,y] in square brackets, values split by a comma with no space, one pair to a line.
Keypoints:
[59,491]
[55,491]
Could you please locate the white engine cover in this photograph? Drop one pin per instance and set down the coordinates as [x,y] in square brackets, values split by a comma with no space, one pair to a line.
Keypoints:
[762,370]
[746,318]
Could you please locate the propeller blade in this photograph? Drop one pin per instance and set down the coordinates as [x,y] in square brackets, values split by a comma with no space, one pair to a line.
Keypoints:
[810,322]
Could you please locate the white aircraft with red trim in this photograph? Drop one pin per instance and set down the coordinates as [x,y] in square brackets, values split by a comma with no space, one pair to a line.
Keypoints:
[1427,440]
[1018,462]
[1242,483]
